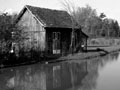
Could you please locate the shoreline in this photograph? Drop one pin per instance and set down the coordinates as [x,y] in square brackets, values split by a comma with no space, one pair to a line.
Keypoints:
[97,52]
[102,51]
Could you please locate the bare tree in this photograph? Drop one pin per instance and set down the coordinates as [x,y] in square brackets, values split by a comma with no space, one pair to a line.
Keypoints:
[71,9]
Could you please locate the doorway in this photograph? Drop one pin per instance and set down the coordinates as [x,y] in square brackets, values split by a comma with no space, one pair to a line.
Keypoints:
[56,42]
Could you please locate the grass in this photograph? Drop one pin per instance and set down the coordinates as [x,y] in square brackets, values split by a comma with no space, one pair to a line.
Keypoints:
[91,53]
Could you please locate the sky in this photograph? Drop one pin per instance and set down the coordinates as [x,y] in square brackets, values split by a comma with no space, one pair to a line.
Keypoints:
[109,7]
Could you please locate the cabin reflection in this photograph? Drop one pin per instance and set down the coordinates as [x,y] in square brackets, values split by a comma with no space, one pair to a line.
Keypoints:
[67,75]
[55,76]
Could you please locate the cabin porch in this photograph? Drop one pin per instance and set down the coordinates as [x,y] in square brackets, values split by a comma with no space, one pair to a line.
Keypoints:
[58,41]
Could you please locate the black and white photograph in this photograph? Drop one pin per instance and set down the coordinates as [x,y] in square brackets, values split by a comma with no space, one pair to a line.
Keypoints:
[59,45]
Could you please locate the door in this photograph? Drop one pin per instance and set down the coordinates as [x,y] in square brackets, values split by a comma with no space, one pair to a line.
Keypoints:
[56,42]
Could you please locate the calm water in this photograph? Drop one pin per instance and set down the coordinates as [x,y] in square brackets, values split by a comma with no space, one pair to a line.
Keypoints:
[101,73]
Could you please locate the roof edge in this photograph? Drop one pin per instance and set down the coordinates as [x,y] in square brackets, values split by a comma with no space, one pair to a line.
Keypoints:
[41,22]
[19,15]
[23,11]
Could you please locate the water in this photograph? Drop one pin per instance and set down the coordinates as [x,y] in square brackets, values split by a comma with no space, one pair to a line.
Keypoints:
[102,73]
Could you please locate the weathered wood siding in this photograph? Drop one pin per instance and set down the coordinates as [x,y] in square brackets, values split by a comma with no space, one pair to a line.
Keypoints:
[35,32]
[65,36]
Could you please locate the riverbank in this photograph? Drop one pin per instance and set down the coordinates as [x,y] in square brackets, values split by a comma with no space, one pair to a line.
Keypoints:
[92,53]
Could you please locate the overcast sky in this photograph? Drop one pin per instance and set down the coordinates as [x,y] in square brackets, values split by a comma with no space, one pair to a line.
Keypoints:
[109,7]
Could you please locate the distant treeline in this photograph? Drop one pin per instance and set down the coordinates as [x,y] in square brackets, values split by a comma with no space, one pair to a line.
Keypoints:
[95,25]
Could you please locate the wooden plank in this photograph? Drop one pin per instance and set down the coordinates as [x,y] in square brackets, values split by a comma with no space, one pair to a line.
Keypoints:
[36,32]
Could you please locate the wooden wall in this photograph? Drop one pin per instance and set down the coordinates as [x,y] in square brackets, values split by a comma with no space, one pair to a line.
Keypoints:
[35,32]
[64,39]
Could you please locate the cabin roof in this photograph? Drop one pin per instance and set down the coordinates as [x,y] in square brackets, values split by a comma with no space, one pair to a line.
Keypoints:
[84,34]
[48,17]
[51,18]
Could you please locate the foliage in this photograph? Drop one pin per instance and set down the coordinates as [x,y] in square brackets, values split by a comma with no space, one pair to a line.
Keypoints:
[92,24]
[9,32]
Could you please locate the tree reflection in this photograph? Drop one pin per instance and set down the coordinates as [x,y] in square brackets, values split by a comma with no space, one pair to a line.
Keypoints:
[90,81]
[55,76]
[70,75]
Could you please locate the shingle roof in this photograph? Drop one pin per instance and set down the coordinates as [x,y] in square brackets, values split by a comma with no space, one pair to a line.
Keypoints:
[52,18]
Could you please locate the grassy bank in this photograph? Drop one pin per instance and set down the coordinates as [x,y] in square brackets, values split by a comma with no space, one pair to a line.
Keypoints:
[103,41]
[92,53]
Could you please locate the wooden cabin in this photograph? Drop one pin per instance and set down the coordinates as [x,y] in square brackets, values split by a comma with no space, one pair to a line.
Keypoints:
[49,31]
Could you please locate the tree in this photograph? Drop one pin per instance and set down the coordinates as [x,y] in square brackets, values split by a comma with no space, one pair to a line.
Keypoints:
[84,17]
[116,28]
[110,28]
[70,8]
[102,15]
[84,14]
[9,32]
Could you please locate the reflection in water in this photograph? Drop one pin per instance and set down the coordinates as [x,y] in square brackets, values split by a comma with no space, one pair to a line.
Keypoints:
[69,75]
[94,66]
